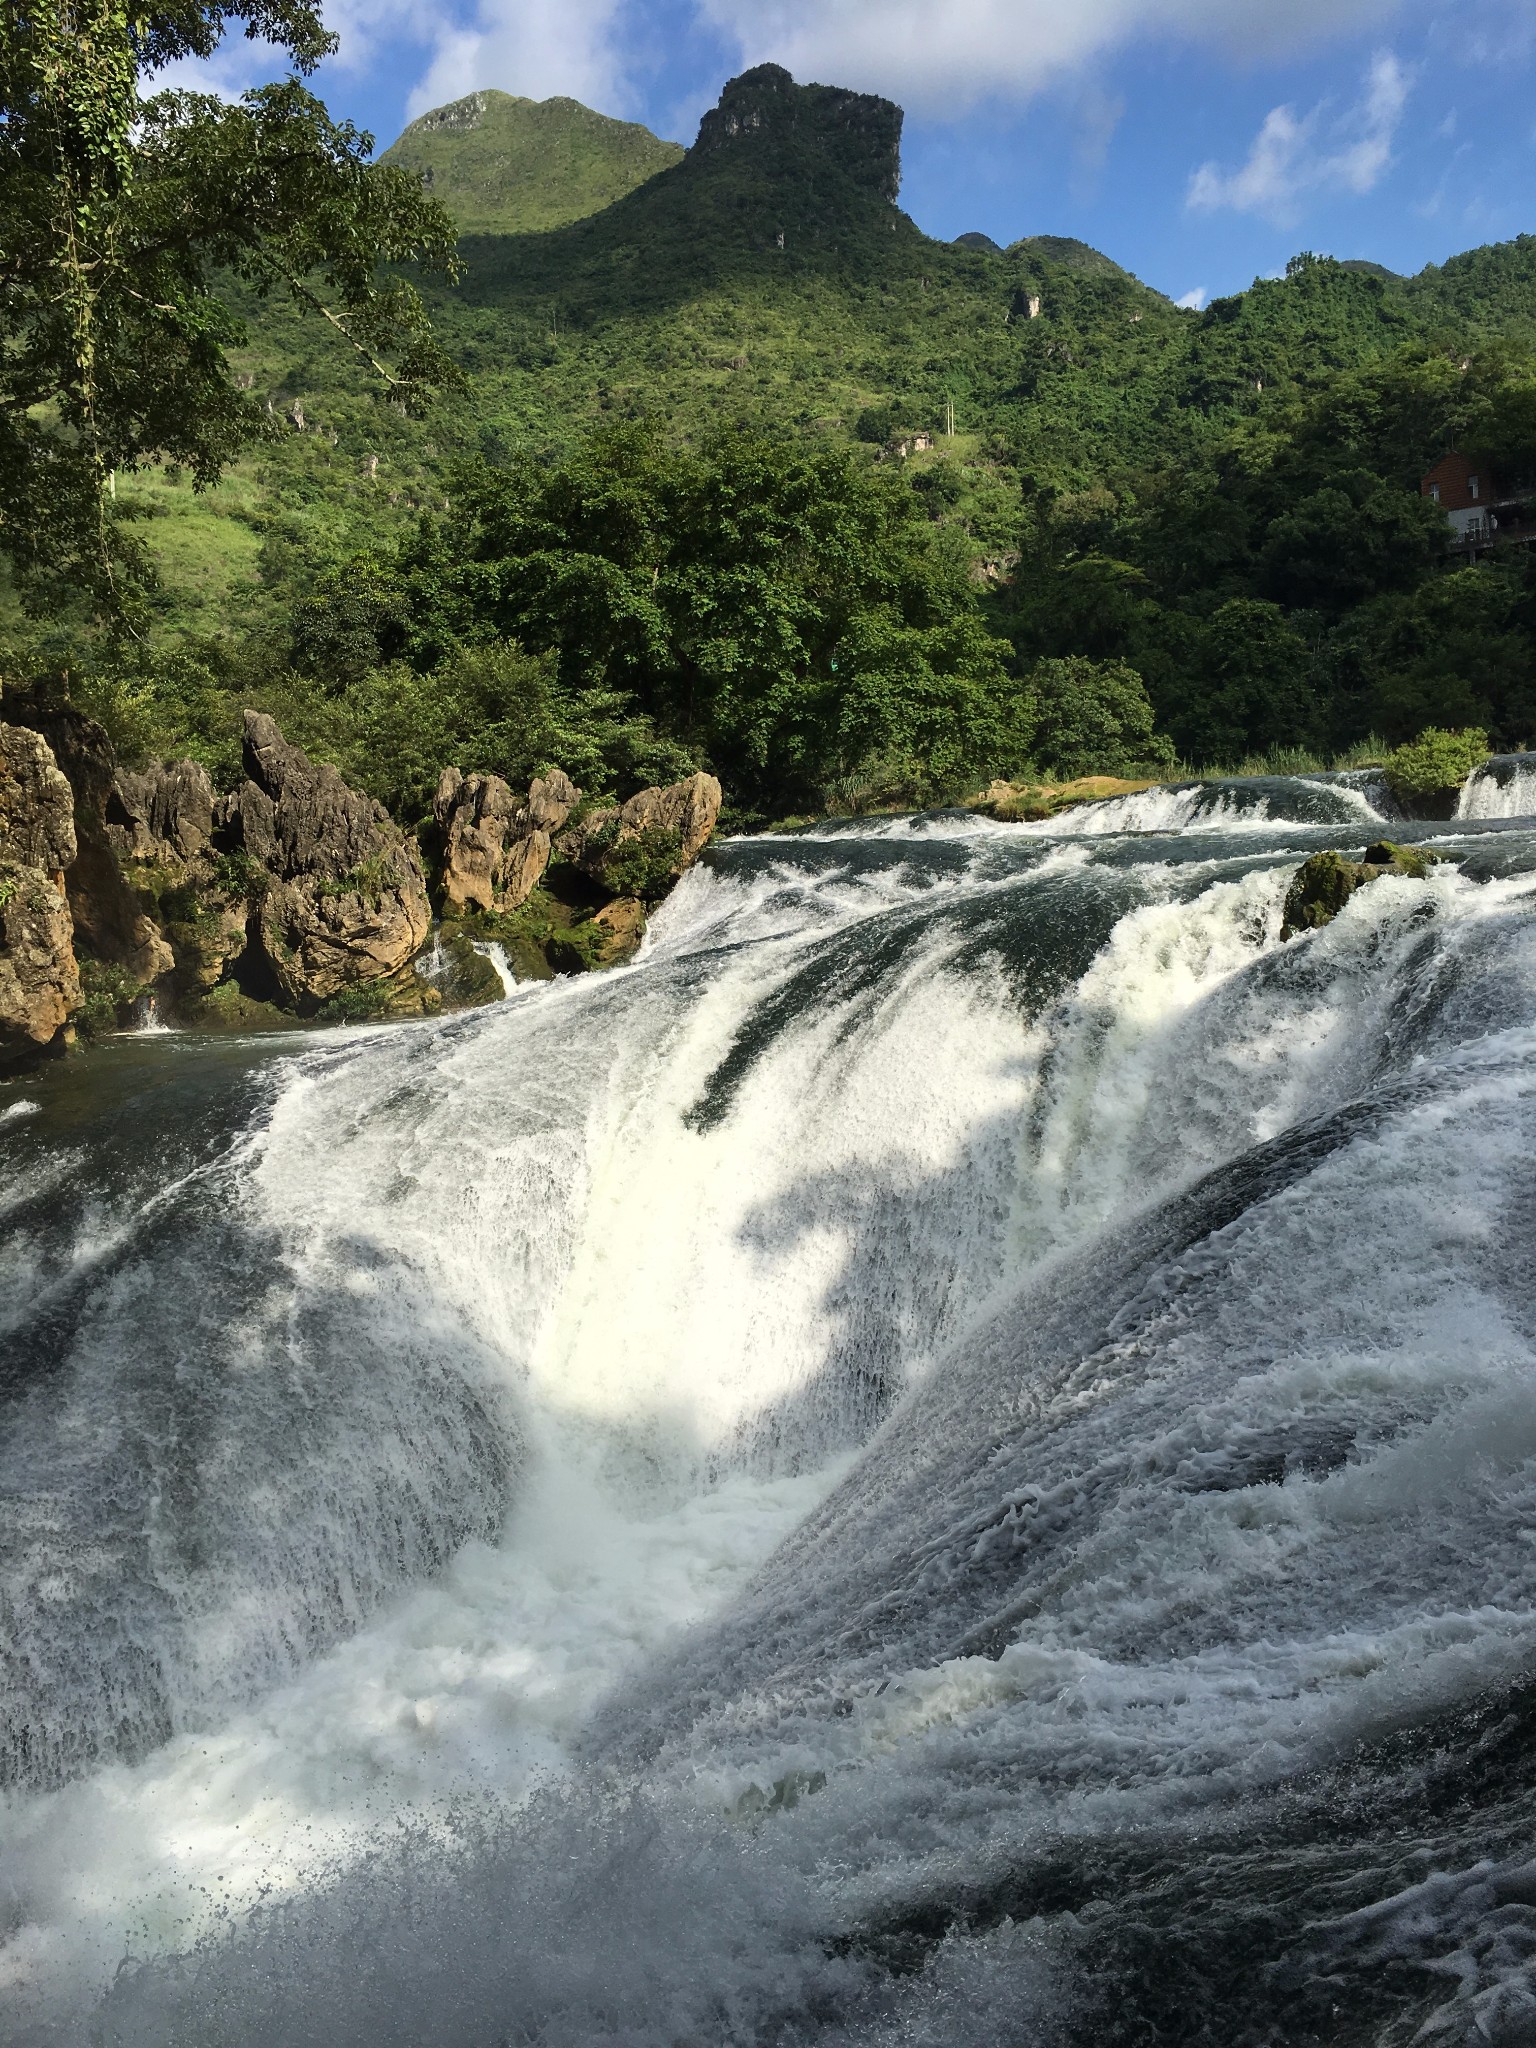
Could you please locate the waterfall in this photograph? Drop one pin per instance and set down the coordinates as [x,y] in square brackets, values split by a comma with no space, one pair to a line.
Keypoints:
[146,1014]
[851,1480]
[1236,804]
[496,953]
[1504,787]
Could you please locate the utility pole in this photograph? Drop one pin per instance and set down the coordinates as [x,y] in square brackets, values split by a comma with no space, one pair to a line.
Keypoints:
[949,416]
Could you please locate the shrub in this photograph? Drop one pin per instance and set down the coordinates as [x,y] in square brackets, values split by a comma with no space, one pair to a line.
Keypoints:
[644,865]
[1436,762]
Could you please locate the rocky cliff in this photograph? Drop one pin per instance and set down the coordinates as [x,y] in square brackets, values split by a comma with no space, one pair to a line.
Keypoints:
[765,112]
[39,978]
[342,898]
[110,922]
[296,894]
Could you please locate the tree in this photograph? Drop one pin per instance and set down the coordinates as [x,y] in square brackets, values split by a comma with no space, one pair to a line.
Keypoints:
[1255,686]
[1354,537]
[1095,719]
[119,219]
[786,613]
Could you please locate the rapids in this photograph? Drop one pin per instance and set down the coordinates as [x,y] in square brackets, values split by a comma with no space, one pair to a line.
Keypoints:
[947,1457]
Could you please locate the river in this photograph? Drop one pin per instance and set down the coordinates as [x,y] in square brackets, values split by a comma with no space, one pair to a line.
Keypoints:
[947,1457]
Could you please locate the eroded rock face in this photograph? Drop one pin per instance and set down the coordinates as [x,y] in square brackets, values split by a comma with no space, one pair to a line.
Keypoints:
[474,814]
[608,937]
[160,822]
[763,111]
[691,809]
[39,978]
[345,900]
[639,847]
[37,805]
[109,920]
[162,812]
[496,847]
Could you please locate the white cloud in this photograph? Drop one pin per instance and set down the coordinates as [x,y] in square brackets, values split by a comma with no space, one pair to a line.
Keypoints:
[1296,155]
[1500,32]
[943,56]
[1194,302]
[522,46]
[533,48]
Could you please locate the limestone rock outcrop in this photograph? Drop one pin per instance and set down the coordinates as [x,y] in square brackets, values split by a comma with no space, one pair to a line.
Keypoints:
[1324,884]
[160,820]
[817,129]
[610,935]
[612,860]
[109,920]
[639,847]
[39,977]
[162,812]
[344,899]
[495,846]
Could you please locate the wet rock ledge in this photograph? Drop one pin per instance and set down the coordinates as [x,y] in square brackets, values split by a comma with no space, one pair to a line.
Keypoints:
[294,895]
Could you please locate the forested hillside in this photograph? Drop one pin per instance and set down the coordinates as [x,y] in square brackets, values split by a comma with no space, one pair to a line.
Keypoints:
[681,508]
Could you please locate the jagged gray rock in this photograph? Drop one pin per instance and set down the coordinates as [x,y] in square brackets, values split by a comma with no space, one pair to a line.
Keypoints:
[344,899]
[161,813]
[39,977]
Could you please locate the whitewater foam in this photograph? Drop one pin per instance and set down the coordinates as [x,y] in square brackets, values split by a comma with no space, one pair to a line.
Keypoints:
[944,1361]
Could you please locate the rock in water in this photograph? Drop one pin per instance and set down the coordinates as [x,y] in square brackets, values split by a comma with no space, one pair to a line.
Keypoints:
[1324,884]
[346,901]
[605,939]
[640,847]
[691,809]
[39,980]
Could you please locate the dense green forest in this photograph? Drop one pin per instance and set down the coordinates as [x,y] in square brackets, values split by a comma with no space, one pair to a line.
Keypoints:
[677,505]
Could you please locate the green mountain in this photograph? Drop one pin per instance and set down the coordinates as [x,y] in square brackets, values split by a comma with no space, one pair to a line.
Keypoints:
[509,166]
[767,277]
[1224,501]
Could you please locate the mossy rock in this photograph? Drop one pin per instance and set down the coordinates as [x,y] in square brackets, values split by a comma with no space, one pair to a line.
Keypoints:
[613,935]
[1386,857]
[385,1000]
[468,980]
[228,1008]
[1018,803]
[1324,884]
[107,996]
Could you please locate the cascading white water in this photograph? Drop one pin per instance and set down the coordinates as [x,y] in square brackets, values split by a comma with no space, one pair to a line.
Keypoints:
[1252,805]
[1504,788]
[378,1443]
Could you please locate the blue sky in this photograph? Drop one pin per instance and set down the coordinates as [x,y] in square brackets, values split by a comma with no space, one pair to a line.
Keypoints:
[1199,142]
